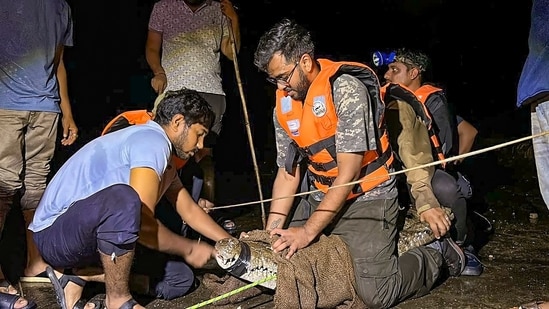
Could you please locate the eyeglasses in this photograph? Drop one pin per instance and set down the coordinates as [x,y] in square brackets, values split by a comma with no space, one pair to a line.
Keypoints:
[285,81]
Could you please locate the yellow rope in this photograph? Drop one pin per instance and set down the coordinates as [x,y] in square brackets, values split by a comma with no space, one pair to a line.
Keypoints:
[233,292]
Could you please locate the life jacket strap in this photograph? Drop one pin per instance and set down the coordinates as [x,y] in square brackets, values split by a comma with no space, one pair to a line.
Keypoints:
[296,154]
[368,169]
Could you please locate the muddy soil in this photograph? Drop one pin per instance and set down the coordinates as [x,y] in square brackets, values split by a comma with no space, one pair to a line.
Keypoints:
[515,251]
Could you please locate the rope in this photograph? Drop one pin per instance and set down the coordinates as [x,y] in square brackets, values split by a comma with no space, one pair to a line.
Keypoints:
[465,155]
[233,292]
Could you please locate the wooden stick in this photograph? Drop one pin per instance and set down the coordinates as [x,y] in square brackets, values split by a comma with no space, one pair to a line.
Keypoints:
[247,122]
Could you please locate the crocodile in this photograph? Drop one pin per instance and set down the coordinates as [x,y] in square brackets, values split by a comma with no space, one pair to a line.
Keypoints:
[253,260]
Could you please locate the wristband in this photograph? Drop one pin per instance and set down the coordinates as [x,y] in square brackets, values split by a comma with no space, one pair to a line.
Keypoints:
[423,208]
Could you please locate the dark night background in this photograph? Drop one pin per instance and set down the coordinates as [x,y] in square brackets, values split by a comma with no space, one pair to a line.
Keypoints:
[477,49]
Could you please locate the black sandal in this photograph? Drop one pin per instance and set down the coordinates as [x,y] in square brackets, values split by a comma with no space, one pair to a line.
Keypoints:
[532,305]
[7,301]
[59,285]
[127,305]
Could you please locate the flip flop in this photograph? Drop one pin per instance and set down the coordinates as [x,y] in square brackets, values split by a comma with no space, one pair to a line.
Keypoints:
[7,301]
[59,285]
[127,305]
[532,305]
[5,284]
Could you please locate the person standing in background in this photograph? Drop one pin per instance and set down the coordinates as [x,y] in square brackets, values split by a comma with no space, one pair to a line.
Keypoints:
[533,93]
[33,94]
[184,45]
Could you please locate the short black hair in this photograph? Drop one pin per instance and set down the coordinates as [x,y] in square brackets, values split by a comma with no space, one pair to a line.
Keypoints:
[286,37]
[414,58]
[186,102]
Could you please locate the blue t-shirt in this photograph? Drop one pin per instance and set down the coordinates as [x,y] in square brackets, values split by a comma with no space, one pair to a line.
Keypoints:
[103,162]
[30,33]
[534,79]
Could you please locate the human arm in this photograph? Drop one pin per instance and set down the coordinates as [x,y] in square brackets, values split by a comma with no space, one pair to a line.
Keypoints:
[70,131]
[152,54]
[414,149]
[352,139]
[228,10]
[467,134]
[153,234]
[194,215]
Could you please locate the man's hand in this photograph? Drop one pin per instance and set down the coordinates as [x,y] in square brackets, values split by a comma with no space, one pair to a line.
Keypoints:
[228,10]
[438,220]
[159,82]
[200,254]
[206,205]
[294,238]
[70,131]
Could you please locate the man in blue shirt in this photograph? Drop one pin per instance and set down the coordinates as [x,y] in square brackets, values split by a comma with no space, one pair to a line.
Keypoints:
[92,209]
[533,91]
[33,94]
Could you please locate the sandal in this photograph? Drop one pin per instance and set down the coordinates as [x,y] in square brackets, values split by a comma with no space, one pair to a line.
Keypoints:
[127,305]
[7,301]
[6,285]
[531,305]
[59,285]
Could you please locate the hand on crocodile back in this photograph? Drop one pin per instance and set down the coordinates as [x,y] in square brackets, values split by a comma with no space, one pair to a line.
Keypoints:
[439,220]
[417,232]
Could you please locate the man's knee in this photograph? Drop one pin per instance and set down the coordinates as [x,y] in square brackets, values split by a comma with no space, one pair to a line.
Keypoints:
[445,188]
[375,281]
[118,230]
[177,281]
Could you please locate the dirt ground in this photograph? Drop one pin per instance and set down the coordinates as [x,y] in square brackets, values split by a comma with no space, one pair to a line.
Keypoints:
[515,252]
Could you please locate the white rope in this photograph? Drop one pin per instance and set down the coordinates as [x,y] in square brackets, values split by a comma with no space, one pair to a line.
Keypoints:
[465,155]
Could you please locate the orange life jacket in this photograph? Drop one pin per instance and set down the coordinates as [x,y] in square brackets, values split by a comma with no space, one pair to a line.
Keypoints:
[422,93]
[129,118]
[312,126]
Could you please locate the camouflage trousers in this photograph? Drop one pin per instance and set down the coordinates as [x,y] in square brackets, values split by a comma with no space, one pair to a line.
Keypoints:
[369,229]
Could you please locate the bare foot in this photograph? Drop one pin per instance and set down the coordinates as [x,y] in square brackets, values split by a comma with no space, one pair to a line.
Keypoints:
[35,269]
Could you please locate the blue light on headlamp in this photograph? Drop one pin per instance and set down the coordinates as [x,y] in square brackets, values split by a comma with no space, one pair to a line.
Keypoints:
[381,58]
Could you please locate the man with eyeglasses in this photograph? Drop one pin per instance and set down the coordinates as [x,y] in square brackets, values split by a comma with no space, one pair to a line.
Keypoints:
[329,129]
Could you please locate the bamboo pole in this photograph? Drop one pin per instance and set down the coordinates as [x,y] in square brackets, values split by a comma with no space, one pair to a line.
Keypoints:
[247,122]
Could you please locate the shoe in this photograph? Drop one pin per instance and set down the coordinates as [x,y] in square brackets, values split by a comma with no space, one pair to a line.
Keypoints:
[473,267]
[452,253]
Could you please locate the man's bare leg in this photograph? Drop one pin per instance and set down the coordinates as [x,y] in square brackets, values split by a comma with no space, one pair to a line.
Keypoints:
[35,263]
[117,277]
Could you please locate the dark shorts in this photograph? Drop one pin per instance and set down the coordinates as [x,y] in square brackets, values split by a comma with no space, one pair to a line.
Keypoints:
[107,221]
[218,104]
